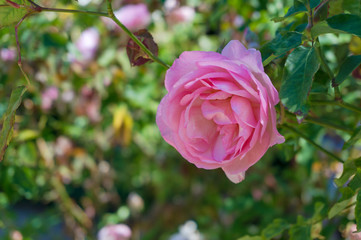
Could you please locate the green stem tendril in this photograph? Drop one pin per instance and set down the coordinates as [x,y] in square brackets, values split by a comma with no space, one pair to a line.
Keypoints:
[337,103]
[309,140]
[327,124]
[103,14]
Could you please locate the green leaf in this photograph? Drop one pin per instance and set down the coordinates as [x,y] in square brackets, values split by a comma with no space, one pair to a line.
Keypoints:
[317,215]
[281,44]
[275,228]
[10,15]
[358,211]
[350,64]
[323,28]
[335,7]
[355,182]
[338,208]
[296,9]
[8,118]
[250,238]
[300,231]
[341,23]
[353,139]
[300,68]
[349,169]
[348,23]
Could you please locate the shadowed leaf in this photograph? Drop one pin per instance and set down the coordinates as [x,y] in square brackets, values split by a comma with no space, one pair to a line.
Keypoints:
[136,55]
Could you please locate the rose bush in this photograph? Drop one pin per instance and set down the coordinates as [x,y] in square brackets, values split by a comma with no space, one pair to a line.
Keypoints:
[219,111]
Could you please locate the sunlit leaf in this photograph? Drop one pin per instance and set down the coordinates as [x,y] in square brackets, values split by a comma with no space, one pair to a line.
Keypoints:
[349,169]
[10,15]
[8,118]
[353,139]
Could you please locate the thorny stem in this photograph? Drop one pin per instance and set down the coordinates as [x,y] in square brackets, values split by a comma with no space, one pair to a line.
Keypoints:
[133,37]
[309,140]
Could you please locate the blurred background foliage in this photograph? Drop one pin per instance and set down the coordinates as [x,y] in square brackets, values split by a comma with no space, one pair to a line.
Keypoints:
[86,151]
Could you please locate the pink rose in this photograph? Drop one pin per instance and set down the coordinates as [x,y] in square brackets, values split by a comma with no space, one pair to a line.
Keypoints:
[219,111]
[133,16]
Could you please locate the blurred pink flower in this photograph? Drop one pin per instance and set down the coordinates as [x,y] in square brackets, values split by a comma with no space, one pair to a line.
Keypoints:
[133,16]
[48,96]
[8,54]
[182,14]
[89,104]
[351,233]
[87,44]
[115,232]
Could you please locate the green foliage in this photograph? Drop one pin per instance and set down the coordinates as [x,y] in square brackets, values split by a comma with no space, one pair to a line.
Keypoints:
[275,228]
[350,64]
[281,45]
[10,15]
[300,68]
[298,7]
[95,156]
[301,230]
[8,119]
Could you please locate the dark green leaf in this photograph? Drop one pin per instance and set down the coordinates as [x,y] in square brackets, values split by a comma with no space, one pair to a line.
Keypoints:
[354,138]
[358,211]
[348,23]
[350,64]
[300,67]
[281,44]
[297,8]
[275,228]
[8,118]
[10,15]
[352,6]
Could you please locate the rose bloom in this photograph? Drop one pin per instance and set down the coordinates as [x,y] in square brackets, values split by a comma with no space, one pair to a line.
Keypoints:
[133,16]
[219,111]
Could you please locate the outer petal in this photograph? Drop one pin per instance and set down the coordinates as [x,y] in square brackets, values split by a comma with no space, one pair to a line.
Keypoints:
[236,51]
[236,178]
[187,63]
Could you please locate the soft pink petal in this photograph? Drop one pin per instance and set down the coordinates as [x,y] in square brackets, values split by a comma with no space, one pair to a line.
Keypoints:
[236,51]
[236,178]
[187,64]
